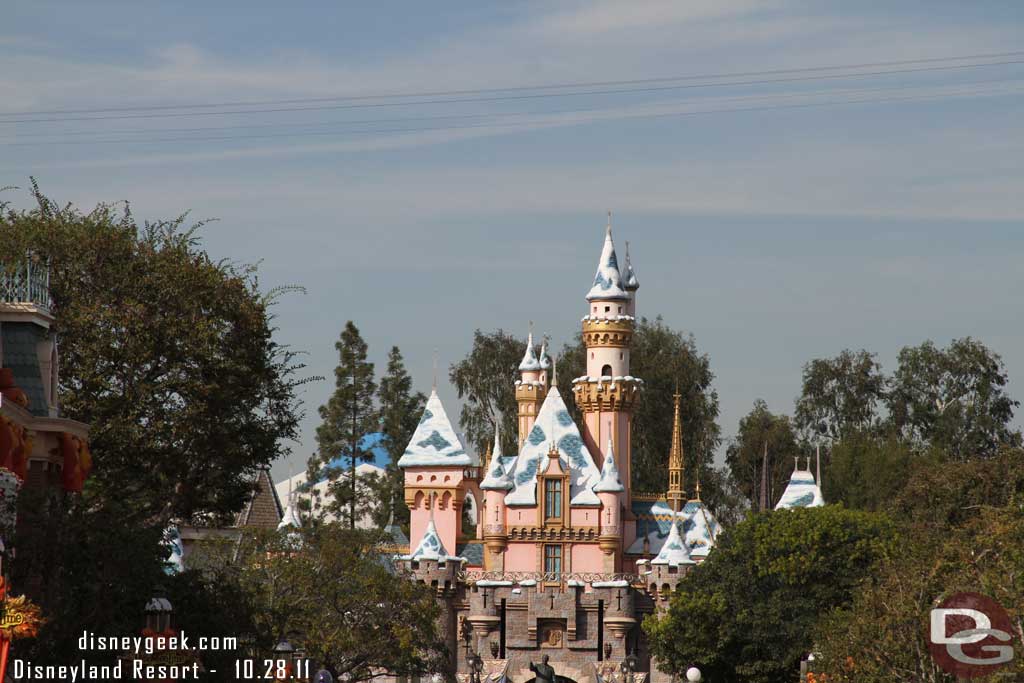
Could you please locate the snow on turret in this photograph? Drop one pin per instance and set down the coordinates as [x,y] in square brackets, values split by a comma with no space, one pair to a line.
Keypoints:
[609,474]
[431,547]
[629,281]
[435,442]
[497,478]
[608,279]
[290,517]
[801,491]
[674,552]
[529,362]
[545,359]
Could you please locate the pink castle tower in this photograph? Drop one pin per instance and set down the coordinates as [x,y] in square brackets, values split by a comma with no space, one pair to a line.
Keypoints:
[439,475]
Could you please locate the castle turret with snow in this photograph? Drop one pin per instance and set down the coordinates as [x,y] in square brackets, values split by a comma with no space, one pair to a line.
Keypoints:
[567,558]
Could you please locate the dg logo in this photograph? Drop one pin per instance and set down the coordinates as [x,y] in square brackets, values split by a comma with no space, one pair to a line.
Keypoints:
[970,635]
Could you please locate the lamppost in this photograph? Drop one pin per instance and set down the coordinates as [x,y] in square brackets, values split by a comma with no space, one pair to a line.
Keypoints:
[473,660]
[693,675]
[629,666]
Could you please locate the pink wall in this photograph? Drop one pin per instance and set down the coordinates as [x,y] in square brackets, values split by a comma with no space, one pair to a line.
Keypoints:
[587,558]
[520,516]
[448,507]
[521,557]
[584,516]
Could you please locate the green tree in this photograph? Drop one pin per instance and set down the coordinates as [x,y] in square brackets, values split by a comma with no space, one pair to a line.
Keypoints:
[840,395]
[880,637]
[962,529]
[666,360]
[89,567]
[763,440]
[348,416]
[400,411]
[748,612]
[168,355]
[486,379]
[363,619]
[953,398]
[867,472]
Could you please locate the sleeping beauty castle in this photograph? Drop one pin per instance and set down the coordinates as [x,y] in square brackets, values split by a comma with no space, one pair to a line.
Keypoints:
[566,558]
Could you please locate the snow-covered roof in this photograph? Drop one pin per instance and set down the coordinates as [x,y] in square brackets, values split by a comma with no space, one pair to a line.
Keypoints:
[674,551]
[609,474]
[607,280]
[545,359]
[629,281]
[554,425]
[175,562]
[529,361]
[699,527]
[435,442]
[430,547]
[497,478]
[801,491]
[291,516]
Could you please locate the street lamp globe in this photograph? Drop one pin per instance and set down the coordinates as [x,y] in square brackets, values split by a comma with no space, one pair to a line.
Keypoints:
[693,674]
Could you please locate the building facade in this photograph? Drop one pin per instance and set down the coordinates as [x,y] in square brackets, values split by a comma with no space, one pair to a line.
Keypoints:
[47,452]
[567,559]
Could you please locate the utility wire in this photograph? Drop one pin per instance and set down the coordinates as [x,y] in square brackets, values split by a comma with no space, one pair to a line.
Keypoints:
[544,124]
[96,136]
[550,86]
[531,96]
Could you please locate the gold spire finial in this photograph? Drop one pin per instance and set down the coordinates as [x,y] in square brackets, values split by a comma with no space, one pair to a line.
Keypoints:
[675,458]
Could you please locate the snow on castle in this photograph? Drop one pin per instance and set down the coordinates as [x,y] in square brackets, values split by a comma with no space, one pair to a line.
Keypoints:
[566,558]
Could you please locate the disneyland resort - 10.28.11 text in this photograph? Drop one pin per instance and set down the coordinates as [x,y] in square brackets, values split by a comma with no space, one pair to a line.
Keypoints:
[128,670]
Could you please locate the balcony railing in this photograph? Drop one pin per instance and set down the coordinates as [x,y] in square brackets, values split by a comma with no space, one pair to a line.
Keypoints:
[474,576]
[27,282]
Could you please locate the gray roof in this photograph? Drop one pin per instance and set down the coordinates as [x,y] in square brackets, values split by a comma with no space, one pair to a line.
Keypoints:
[472,552]
[19,347]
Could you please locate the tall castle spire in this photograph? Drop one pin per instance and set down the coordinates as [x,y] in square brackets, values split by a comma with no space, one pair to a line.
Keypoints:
[608,394]
[675,460]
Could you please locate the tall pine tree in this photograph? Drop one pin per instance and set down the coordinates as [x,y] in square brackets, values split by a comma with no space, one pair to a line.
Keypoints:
[400,411]
[347,417]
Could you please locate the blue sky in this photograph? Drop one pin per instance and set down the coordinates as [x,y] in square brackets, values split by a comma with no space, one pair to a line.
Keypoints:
[784,232]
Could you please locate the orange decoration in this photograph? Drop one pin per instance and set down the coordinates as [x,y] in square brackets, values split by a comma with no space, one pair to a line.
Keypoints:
[71,473]
[6,443]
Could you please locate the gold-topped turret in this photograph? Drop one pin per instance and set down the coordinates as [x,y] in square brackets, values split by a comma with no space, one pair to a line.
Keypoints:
[675,493]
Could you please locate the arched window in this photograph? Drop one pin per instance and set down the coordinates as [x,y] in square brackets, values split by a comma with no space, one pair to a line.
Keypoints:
[606,371]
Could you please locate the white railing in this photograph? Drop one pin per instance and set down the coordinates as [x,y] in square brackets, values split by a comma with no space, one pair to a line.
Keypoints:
[26,282]
[474,575]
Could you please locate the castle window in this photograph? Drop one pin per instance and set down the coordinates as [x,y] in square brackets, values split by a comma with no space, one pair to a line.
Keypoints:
[607,309]
[553,559]
[620,309]
[553,498]
[606,371]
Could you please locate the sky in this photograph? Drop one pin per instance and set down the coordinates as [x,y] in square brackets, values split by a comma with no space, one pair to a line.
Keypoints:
[777,208]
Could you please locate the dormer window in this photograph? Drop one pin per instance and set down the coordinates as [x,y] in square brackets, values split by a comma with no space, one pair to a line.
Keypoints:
[552,499]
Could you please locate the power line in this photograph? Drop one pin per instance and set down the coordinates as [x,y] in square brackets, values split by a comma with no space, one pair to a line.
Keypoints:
[531,96]
[63,137]
[550,86]
[546,124]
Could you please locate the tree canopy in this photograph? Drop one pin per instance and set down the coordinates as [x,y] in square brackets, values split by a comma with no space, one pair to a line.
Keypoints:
[331,587]
[167,354]
[485,378]
[748,612]
[348,416]
[764,440]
